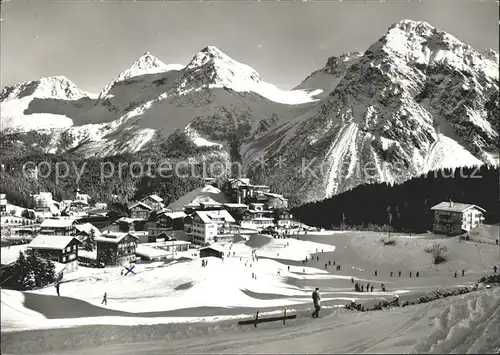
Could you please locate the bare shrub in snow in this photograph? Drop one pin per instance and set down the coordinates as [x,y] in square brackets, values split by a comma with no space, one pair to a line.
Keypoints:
[387,240]
[437,251]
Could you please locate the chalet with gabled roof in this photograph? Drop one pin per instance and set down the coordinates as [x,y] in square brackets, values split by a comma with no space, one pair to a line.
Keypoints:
[213,250]
[81,199]
[172,220]
[153,201]
[283,218]
[59,248]
[456,218]
[204,226]
[85,230]
[140,210]
[115,248]
[58,226]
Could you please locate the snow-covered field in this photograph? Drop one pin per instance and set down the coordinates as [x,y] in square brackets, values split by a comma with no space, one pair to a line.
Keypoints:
[160,287]
[462,324]
[181,292]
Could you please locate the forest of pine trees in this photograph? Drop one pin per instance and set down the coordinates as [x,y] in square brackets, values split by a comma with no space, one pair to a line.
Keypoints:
[128,186]
[406,207]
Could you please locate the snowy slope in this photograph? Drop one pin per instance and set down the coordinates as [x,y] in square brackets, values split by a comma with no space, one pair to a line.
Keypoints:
[322,82]
[461,324]
[60,94]
[205,193]
[212,68]
[146,64]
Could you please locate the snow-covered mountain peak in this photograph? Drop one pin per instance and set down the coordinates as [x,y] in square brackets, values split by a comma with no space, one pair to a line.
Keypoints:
[416,43]
[55,87]
[213,68]
[220,67]
[409,36]
[147,64]
[421,28]
[208,54]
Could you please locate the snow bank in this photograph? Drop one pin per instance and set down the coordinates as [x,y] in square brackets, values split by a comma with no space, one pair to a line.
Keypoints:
[290,249]
[14,315]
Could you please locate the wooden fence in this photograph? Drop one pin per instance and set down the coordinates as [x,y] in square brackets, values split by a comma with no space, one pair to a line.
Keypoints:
[258,320]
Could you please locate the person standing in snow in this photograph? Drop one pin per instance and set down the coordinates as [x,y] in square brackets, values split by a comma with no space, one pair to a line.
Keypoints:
[57,287]
[105,299]
[316,302]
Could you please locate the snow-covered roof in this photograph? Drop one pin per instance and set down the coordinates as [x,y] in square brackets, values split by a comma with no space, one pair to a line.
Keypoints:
[57,223]
[167,243]
[205,200]
[208,201]
[209,216]
[174,215]
[97,212]
[455,207]
[129,220]
[216,247]
[153,197]
[206,193]
[243,180]
[59,242]
[271,194]
[149,251]
[43,195]
[235,205]
[43,214]
[140,204]
[87,228]
[113,237]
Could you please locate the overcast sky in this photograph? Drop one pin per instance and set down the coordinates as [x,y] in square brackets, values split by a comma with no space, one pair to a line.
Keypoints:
[93,42]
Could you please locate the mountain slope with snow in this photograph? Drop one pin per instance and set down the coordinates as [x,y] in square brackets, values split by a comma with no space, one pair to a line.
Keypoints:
[61,96]
[213,99]
[323,81]
[417,99]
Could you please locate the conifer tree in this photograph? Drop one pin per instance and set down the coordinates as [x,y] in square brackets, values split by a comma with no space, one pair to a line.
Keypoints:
[89,243]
